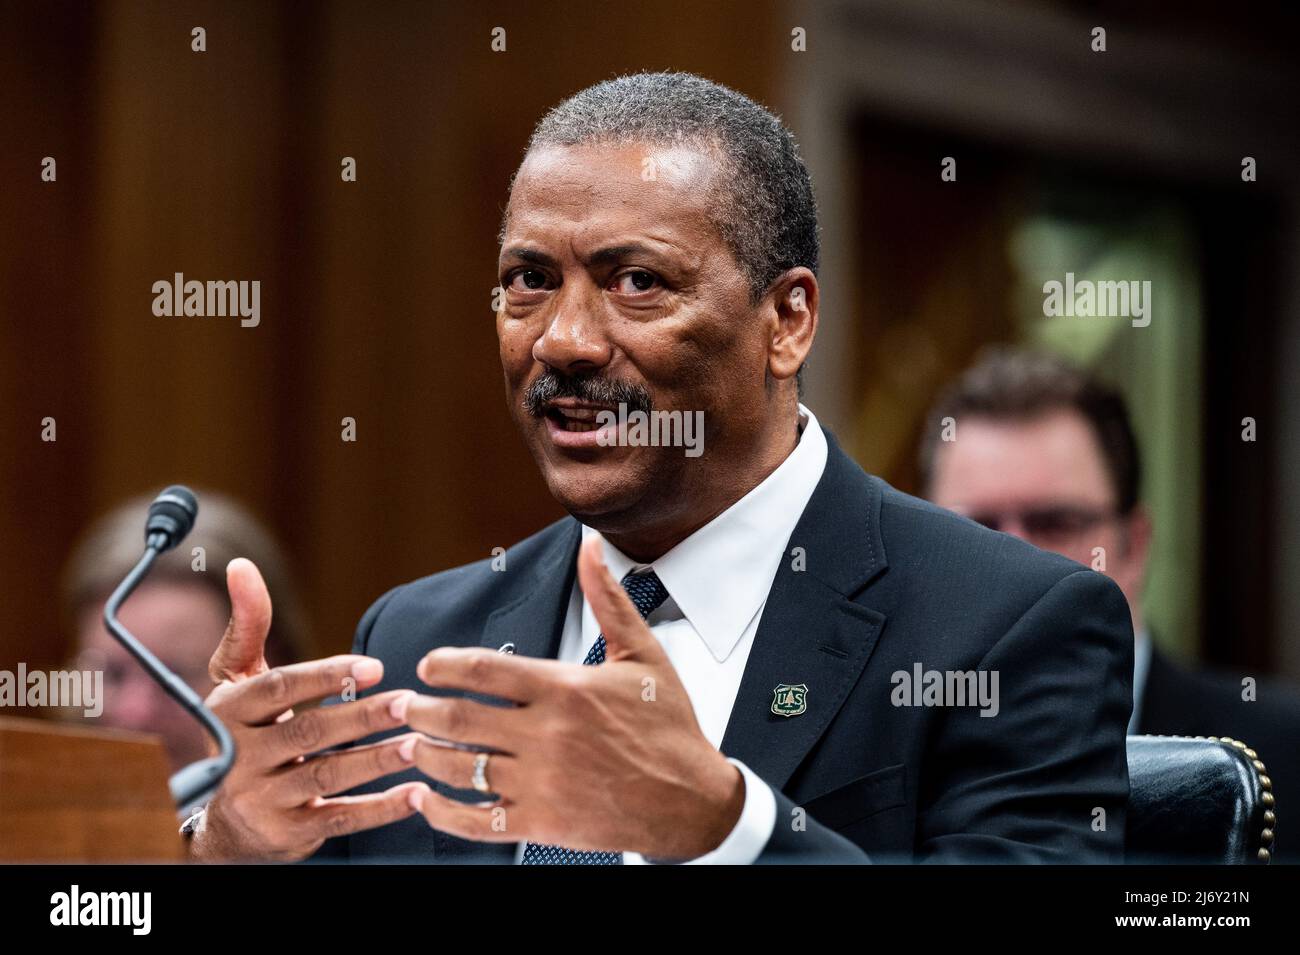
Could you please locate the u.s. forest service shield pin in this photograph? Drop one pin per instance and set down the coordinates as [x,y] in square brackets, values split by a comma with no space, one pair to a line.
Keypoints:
[790,699]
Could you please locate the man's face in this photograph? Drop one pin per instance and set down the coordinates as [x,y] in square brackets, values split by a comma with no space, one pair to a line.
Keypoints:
[619,288]
[1043,480]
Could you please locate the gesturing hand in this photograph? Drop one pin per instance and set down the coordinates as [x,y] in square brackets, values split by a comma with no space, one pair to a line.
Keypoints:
[273,805]
[606,757]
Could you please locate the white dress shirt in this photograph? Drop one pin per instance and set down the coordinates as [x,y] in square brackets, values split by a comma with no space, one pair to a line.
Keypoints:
[718,580]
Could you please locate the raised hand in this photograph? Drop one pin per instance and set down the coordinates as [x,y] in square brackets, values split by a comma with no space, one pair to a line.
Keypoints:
[278,801]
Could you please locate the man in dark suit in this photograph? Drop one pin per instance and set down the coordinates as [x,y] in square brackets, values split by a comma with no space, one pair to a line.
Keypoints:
[1046,452]
[890,583]
[740,647]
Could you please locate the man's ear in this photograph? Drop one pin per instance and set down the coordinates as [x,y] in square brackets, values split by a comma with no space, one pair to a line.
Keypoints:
[795,299]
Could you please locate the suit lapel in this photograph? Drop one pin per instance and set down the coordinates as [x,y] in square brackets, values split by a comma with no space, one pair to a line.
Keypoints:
[534,622]
[811,632]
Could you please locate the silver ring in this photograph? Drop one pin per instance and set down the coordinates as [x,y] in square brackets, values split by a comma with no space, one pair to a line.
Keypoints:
[480,781]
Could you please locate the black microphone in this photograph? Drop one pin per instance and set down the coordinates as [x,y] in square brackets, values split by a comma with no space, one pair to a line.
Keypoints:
[171,517]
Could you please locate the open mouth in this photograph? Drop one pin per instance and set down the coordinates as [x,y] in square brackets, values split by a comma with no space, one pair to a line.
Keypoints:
[571,416]
[578,426]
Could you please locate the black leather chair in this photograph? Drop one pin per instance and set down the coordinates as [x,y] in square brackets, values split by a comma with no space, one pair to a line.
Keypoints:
[1198,799]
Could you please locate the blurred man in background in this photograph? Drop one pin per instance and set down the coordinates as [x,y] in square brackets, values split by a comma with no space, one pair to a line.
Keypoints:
[179,612]
[1045,452]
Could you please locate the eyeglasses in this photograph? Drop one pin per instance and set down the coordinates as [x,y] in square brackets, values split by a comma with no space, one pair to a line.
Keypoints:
[1062,523]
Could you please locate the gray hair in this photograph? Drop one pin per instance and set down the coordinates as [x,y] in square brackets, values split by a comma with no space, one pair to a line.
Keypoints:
[764,207]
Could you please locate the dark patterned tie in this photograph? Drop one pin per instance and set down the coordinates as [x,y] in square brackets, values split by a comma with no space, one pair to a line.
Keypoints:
[647,593]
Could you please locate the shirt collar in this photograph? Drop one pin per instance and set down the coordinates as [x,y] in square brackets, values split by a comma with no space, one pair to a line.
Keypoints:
[719,577]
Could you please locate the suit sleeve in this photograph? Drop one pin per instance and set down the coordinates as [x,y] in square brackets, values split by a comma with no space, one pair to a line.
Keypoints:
[801,840]
[1045,779]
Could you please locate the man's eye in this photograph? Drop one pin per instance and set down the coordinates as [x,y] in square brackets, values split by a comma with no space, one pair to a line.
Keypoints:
[635,281]
[528,279]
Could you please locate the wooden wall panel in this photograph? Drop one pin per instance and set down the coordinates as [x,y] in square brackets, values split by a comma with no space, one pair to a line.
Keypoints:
[375,295]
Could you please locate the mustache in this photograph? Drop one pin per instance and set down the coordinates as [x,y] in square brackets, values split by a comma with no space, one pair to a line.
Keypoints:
[552,384]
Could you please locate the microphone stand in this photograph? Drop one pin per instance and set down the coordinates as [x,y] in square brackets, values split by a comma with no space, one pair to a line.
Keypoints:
[194,783]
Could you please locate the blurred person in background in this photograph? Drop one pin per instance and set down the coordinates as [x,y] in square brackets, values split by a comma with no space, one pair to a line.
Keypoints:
[1045,452]
[179,612]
